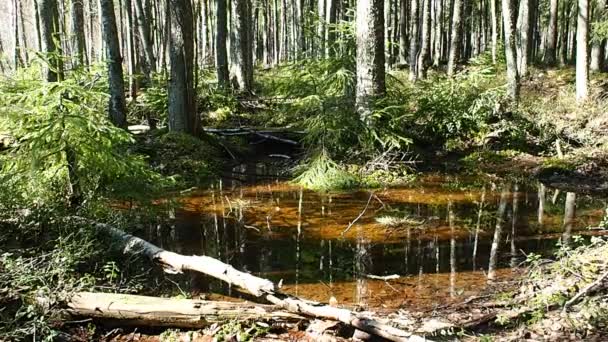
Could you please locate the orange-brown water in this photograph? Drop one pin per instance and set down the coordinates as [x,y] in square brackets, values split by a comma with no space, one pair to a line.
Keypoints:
[323,245]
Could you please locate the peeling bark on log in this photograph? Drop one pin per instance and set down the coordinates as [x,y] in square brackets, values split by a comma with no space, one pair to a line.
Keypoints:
[263,288]
[170,312]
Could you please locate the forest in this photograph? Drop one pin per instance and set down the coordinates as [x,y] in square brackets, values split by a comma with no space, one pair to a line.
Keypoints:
[303,170]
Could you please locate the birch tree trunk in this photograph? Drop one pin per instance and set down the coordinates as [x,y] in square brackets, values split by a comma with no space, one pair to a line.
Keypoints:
[551,47]
[508,16]
[183,116]
[78,39]
[455,40]
[370,55]
[582,51]
[423,57]
[114,61]
[221,50]
[52,72]
[494,20]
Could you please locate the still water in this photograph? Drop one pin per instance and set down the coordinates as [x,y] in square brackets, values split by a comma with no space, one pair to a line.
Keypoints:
[436,234]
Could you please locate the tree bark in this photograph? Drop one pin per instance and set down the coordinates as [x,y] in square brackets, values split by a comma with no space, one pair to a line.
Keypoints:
[259,287]
[370,55]
[508,16]
[147,311]
[456,37]
[438,33]
[582,51]
[143,24]
[494,25]
[551,48]
[523,36]
[78,39]
[52,72]
[403,38]
[414,37]
[332,6]
[183,116]
[221,51]
[240,46]
[423,57]
[117,106]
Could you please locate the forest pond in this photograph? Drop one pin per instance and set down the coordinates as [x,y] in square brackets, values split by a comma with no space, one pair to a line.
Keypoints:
[436,234]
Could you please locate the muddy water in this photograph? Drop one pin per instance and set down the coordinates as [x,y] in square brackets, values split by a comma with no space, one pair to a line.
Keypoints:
[435,234]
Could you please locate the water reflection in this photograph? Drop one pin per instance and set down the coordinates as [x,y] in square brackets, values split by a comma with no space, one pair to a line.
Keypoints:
[442,230]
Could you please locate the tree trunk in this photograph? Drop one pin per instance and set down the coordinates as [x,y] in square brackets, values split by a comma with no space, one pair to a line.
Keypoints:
[500,221]
[456,37]
[523,36]
[582,51]
[114,60]
[240,46]
[494,20]
[403,32]
[131,49]
[133,310]
[78,39]
[221,51]
[598,47]
[52,72]
[508,16]
[414,37]
[146,38]
[18,61]
[569,217]
[438,33]
[183,116]
[423,57]
[332,6]
[551,47]
[370,55]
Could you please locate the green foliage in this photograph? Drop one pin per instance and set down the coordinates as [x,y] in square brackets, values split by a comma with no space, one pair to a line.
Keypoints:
[50,122]
[152,103]
[235,331]
[322,173]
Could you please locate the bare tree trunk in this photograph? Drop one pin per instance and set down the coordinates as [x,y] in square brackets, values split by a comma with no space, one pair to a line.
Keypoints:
[132,27]
[494,19]
[94,32]
[523,36]
[183,116]
[403,38]
[50,40]
[240,46]
[114,60]
[598,47]
[438,33]
[145,38]
[370,55]
[331,30]
[508,16]
[423,57]
[78,39]
[221,51]
[18,60]
[582,51]
[500,220]
[551,47]
[569,216]
[456,37]
[414,36]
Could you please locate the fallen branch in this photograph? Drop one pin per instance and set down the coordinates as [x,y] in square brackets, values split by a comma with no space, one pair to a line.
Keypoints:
[147,311]
[263,288]
[596,285]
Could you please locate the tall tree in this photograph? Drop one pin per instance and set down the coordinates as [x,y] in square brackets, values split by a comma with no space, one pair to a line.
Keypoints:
[438,32]
[455,40]
[114,61]
[221,51]
[551,47]
[423,56]
[240,46]
[508,16]
[414,36]
[582,51]
[332,7]
[145,36]
[523,37]
[494,20]
[183,116]
[403,31]
[53,71]
[370,55]
[78,39]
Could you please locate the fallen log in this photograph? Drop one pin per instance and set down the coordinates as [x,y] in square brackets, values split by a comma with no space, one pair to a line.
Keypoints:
[263,288]
[133,310]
